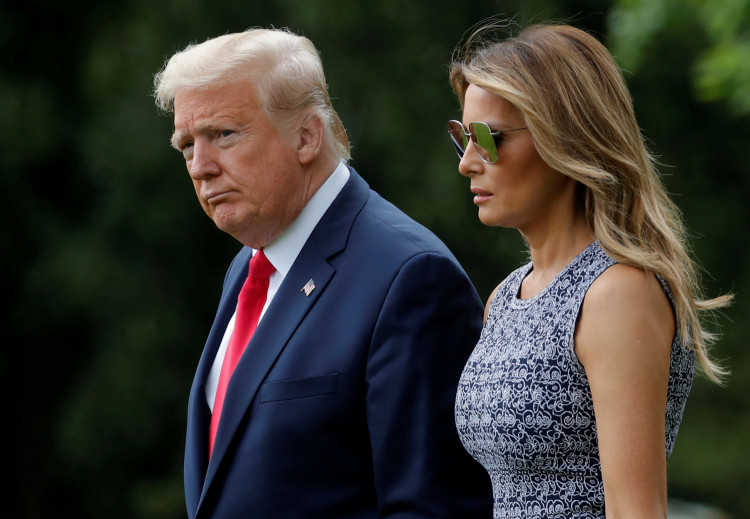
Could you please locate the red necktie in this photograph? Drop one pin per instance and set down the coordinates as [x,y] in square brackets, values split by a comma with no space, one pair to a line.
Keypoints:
[249,305]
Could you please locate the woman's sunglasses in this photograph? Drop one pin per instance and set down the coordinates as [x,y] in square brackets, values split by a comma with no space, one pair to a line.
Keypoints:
[485,140]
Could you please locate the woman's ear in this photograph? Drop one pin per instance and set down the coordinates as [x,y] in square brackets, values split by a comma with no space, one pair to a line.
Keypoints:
[311,136]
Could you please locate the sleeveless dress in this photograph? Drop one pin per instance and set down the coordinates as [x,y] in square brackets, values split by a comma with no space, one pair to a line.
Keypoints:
[524,407]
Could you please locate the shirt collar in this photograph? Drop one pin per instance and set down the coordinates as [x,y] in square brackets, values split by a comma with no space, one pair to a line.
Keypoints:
[283,251]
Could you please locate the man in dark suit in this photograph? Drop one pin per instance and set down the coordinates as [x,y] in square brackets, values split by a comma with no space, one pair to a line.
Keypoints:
[341,404]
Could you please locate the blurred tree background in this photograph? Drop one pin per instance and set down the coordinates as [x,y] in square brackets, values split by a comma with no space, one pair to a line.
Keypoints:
[113,272]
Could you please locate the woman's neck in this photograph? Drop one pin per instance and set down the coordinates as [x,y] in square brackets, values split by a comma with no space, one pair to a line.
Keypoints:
[552,250]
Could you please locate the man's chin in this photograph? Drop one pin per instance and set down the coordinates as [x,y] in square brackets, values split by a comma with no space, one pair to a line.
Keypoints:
[242,235]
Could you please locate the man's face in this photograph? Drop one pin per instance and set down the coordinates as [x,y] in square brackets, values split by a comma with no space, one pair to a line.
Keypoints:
[245,171]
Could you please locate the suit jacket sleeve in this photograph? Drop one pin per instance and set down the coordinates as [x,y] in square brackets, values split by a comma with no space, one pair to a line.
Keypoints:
[428,326]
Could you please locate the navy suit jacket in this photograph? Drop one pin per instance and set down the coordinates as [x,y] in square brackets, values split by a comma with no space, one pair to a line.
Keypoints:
[342,404]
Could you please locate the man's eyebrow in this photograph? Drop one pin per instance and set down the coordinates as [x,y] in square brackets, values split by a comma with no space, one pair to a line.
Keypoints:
[180,136]
[176,139]
[183,135]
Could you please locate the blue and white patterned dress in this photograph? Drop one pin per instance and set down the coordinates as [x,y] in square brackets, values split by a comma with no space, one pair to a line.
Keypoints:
[524,407]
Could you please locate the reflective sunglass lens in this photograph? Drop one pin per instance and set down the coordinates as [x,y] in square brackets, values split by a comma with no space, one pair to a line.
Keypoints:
[484,141]
[481,135]
[458,136]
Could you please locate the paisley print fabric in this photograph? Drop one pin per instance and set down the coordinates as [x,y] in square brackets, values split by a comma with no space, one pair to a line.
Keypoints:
[524,407]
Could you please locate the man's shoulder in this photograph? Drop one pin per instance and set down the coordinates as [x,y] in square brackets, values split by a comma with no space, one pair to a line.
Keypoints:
[385,226]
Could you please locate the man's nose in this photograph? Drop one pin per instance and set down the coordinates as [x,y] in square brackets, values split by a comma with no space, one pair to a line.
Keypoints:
[203,161]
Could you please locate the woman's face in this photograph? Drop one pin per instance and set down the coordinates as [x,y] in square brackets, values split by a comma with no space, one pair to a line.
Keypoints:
[519,190]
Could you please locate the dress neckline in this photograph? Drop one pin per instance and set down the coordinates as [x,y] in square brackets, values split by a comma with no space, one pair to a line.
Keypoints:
[526,270]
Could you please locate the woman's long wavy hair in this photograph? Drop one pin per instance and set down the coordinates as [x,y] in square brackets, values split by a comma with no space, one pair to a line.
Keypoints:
[579,111]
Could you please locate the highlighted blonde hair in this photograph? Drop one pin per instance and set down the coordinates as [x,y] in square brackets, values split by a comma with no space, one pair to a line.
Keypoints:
[579,111]
[285,69]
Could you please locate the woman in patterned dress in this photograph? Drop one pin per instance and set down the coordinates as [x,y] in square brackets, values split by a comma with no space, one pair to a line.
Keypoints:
[574,394]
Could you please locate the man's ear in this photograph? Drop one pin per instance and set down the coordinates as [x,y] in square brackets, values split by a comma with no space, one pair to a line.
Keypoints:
[311,136]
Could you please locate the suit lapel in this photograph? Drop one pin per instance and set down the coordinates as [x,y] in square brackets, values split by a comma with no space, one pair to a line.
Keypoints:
[199,414]
[269,340]
[290,306]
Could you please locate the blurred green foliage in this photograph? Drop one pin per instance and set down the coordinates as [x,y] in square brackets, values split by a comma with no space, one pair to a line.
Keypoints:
[688,67]
[113,272]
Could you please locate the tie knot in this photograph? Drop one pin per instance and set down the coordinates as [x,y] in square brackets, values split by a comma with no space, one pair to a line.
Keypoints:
[260,267]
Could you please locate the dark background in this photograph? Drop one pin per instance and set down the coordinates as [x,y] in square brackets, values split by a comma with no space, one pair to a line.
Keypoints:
[112,272]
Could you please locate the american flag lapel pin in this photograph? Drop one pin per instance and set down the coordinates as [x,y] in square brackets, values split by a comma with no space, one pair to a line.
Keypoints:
[309,287]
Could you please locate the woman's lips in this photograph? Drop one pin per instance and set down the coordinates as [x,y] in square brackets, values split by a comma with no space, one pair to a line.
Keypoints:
[480,195]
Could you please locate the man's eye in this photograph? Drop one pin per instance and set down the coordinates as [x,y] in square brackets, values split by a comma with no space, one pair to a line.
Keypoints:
[187,150]
[226,133]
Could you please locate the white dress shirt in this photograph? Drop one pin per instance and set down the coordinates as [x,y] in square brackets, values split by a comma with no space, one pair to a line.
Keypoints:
[282,253]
